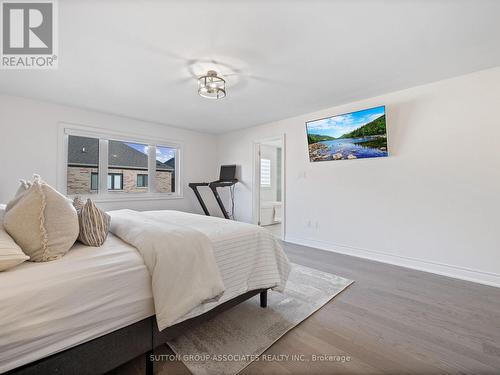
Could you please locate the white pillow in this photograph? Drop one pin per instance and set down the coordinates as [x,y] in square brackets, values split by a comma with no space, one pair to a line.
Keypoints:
[42,221]
[10,253]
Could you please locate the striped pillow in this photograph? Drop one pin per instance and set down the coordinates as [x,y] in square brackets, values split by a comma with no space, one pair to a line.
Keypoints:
[94,223]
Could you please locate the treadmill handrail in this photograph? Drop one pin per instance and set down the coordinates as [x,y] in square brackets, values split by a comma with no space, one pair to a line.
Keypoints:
[213,186]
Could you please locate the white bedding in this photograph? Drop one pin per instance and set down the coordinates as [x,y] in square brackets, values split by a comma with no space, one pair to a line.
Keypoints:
[179,258]
[49,307]
[248,256]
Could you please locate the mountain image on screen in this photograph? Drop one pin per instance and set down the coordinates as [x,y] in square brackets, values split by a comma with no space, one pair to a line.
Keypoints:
[354,135]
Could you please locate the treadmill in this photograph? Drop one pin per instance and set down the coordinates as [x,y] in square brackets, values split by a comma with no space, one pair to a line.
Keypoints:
[226,179]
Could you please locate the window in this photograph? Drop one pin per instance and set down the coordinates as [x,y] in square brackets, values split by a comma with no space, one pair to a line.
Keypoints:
[115,166]
[128,159]
[265,172]
[165,169]
[82,165]
[94,181]
[142,180]
[115,181]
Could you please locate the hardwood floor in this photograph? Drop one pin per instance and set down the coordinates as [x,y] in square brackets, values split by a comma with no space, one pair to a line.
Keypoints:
[393,320]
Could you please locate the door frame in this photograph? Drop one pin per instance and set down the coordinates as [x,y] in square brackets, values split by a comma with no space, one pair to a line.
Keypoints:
[256,180]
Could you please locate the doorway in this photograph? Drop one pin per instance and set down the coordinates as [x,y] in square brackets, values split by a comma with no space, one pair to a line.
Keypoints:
[269,185]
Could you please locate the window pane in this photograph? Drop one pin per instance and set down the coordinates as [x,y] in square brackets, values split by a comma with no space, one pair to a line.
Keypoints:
[115,181]
[126,160]
[265,172]
[165,169]
[118,181]
[142,180]
[83,163]
[94,181]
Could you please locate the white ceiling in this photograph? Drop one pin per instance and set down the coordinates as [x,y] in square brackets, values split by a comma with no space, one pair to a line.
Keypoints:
[281,58]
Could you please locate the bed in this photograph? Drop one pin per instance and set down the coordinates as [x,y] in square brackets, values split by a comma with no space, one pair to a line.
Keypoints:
[93,309]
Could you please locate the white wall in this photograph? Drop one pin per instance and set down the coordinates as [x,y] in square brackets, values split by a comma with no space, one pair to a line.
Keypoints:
[434,204]
[29,138]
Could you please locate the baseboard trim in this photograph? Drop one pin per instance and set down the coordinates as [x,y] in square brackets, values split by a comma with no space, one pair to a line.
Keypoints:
[457,272]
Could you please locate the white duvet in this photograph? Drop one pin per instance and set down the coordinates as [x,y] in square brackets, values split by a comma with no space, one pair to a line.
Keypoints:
[185,254]
[181,262]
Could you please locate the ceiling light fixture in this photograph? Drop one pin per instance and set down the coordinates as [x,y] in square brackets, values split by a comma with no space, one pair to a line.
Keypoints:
[211,86]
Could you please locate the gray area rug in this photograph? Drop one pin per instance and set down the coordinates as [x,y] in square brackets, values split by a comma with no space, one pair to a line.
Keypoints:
[232,340]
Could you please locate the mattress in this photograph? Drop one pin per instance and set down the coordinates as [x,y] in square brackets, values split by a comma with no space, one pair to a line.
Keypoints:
[48,307]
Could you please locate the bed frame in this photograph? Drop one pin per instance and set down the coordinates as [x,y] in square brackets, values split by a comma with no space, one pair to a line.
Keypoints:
[107,352]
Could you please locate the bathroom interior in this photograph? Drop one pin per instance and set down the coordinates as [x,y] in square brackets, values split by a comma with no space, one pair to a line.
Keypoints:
[271,186]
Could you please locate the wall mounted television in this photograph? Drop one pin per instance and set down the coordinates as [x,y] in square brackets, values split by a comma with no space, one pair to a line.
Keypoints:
[355,135]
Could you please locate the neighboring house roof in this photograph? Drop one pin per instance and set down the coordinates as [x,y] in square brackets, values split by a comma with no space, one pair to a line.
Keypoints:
[169,165]
[123,156]
[83,151]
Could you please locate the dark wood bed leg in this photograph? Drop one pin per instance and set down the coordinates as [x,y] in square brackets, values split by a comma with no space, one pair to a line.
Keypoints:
[149,363]
[263,299]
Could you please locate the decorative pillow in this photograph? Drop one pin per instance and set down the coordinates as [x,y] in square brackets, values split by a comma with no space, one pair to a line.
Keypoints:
[10,253]
[94,223]
[24,185]
[42,221]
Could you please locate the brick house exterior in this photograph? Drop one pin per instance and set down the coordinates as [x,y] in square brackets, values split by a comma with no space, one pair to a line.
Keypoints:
[126,163]
[79,180]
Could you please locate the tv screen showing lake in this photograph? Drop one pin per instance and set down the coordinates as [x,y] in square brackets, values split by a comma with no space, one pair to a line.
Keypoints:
[355,135]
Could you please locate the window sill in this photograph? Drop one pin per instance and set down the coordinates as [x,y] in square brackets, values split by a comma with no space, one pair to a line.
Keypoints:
[130,197]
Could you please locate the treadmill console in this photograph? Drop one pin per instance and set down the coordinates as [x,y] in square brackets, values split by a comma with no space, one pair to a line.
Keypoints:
[227,173]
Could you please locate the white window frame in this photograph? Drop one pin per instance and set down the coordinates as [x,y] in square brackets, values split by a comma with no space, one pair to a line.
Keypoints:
[103,195]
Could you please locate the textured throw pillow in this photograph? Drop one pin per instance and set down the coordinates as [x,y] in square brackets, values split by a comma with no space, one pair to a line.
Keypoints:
[42,221]
[94,223]
[10,253]
[23,186]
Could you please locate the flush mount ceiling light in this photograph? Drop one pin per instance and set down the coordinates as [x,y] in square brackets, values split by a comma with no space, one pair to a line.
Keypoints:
[211,86]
